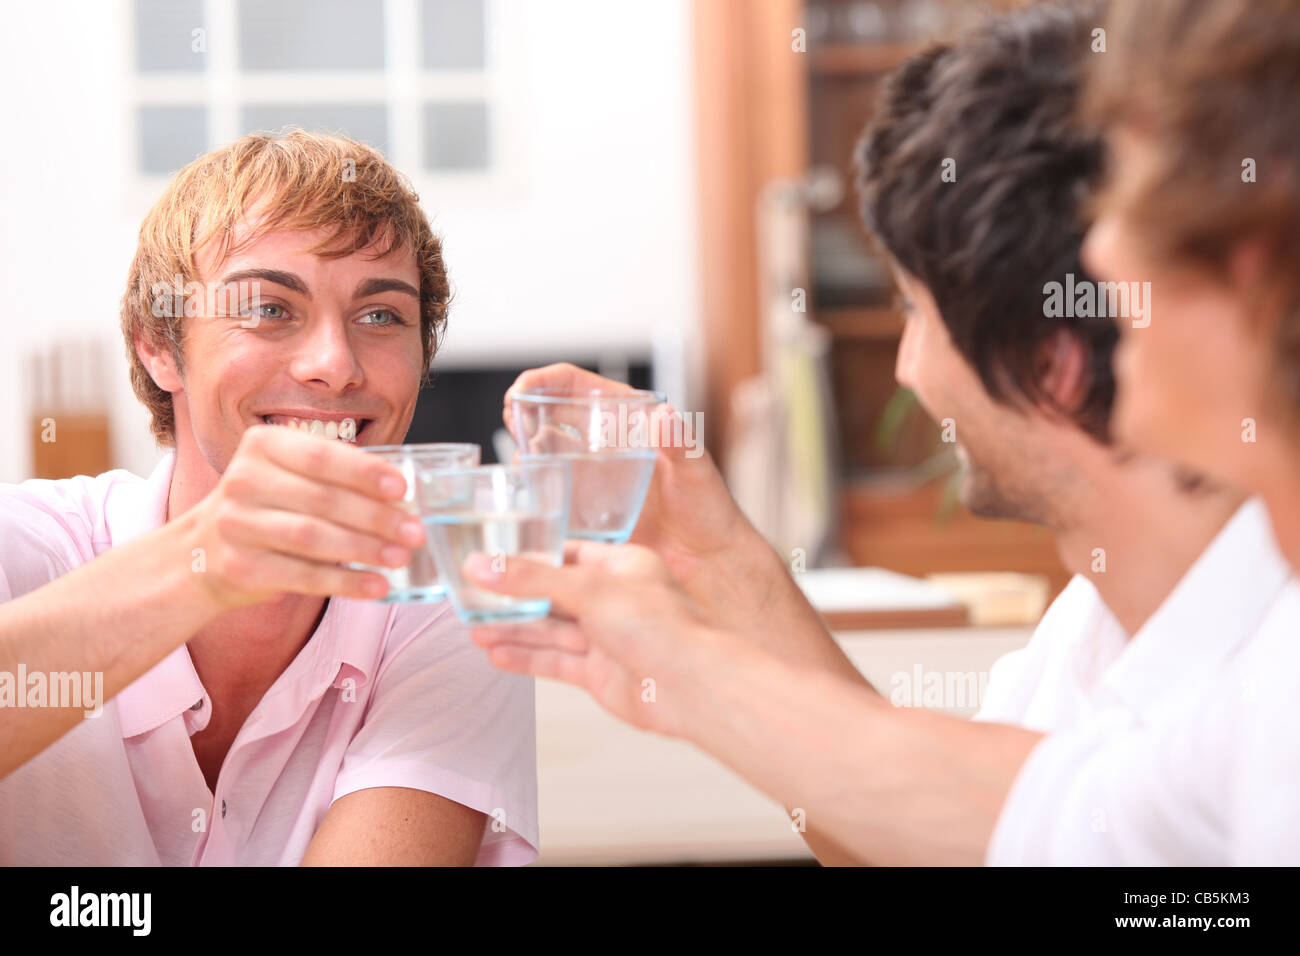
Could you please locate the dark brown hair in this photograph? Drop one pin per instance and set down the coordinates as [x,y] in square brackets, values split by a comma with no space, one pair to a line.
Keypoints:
[1001,103]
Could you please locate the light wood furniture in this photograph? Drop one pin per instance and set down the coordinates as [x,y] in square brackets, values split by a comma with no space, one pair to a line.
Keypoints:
[610,794]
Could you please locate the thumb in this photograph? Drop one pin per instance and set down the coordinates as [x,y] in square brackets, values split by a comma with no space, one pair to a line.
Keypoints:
[566,587]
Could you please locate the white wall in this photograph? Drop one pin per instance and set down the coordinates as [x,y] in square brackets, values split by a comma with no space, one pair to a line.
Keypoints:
[587,247]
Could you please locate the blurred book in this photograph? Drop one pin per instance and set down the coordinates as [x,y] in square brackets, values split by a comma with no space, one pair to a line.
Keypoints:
[998,599]
[870,598]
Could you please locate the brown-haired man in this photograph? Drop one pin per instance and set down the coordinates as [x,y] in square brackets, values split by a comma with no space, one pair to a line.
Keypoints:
[251,707]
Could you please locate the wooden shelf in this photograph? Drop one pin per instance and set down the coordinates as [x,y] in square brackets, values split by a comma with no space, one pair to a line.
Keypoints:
[870,323]
[857,59]
[901,529]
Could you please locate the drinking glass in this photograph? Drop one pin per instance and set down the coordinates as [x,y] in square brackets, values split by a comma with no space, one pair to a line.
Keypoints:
[418,581]
[610,439]
[496,511]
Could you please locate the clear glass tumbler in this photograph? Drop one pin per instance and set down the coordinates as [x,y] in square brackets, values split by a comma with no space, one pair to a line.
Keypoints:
[496,511]
[419,581]
[611,441]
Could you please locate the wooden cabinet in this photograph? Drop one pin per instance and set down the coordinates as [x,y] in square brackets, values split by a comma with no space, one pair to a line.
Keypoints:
[769,110]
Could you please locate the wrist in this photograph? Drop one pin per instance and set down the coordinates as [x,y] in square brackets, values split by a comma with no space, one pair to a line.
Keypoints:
[704,662]
[184,567]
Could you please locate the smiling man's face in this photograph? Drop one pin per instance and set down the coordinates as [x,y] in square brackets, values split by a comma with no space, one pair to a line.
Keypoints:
[1004,451]
[323,340]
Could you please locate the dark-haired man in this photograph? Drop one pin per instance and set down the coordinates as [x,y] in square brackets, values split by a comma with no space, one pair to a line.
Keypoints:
[1170,578]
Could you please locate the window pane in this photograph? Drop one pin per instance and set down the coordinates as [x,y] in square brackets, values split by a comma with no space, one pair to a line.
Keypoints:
[164,35]
[453,34]
[366,122]
[171,136]
[311,34]
[455,135]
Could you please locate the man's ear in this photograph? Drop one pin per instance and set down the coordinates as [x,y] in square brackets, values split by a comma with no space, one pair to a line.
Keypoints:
[1062,367]
[1250,262]
[160,364]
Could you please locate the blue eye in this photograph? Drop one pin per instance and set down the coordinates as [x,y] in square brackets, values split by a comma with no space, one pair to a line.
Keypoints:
[392,318]
[265,310]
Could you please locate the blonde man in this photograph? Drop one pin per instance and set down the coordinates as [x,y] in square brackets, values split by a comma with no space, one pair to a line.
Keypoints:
[256,706]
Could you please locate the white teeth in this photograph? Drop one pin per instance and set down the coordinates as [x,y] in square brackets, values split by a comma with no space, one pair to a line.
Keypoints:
[345,430]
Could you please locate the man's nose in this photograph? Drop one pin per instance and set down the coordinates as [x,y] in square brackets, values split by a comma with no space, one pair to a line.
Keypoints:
[326,355]
[1097,243]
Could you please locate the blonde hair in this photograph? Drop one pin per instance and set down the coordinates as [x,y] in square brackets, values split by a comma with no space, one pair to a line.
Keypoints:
[306,181]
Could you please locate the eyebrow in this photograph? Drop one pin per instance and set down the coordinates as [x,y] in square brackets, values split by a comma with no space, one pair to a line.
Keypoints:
[286,279]
[369,287]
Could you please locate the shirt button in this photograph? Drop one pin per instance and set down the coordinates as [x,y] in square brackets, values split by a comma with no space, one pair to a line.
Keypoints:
[223,809]
[198,705]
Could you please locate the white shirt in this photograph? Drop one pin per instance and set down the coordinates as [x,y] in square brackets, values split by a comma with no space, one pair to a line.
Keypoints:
[1178,747]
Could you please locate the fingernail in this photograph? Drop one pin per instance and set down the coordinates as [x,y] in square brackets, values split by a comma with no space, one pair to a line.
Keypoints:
[391,485]
[411,531]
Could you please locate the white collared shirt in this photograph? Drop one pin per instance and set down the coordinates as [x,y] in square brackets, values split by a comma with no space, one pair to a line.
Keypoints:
[1178,747]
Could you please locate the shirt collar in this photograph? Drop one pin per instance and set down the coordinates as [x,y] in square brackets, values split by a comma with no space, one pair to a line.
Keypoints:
[344,646]
[1219,603]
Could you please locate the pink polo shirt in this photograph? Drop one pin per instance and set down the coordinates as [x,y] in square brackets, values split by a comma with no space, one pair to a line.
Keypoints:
[381,696]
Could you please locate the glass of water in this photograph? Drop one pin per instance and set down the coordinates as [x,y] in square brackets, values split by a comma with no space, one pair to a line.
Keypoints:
[419,582]
[609,437]
[496,511]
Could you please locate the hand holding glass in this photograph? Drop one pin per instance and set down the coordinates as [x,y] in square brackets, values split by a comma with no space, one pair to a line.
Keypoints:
[496,511]
[418,581]
[608,437]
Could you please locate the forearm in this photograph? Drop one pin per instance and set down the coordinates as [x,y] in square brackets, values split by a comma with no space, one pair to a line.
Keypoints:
[751,592]
[887,785]
[117,615]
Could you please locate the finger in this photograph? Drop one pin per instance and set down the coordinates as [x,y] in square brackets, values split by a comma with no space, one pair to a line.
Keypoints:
[557,438]
[546,633]
[556,665]
[561,375]
[305,536]
[332,462]
[585,552]
[268,487]
[274,573]
[568,588]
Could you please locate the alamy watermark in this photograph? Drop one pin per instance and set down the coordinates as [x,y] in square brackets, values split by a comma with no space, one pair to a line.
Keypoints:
[639,428]
[172,300]
[84,689]
[130,910]
[1085,299]
[943,689]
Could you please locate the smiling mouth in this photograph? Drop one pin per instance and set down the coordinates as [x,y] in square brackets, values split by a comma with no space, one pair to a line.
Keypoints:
[348,430]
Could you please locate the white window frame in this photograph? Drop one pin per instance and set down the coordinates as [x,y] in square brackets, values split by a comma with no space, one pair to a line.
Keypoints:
[402,85]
